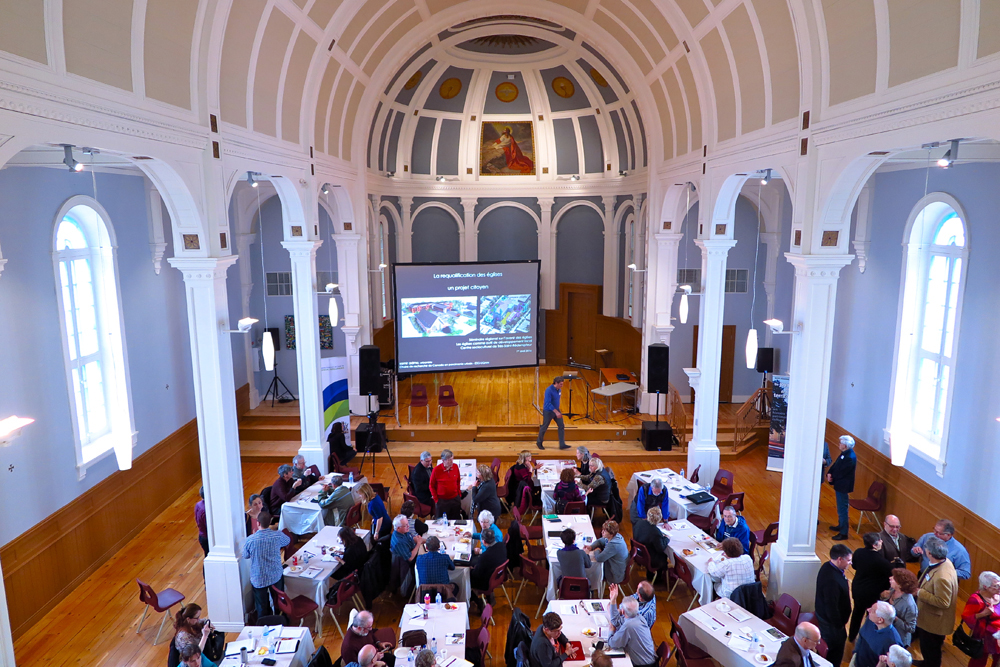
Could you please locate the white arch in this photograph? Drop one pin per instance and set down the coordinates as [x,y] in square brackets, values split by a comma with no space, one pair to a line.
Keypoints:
[574,204]
[504,204]
[394,214]
[437,204]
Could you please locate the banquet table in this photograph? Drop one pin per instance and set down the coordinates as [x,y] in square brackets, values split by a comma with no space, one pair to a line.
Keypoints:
[303,515]
[677,488]
[467,477]
[452,544]
[314,579]
[686,537]
[547,477]
[447,626]
[576,619]
[299,658]
[706,627]
[553,543]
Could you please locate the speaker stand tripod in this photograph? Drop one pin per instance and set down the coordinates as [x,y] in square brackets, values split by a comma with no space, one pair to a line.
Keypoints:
[272,389]
[375,438]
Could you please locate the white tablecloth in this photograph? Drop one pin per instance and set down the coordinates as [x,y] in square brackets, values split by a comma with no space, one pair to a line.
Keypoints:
[303,516]
[676,487]
[547,477]
[298,659]
[684,536]
[316,588]
[447,626]
[575,619]
[706,628]
[584,535]
[467,477]
[451,543]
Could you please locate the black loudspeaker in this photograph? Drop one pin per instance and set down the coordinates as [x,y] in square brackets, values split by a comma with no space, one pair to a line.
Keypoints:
[657,368]
[657,436]
[369,370]
[765,359]
[363,435]
[275,338]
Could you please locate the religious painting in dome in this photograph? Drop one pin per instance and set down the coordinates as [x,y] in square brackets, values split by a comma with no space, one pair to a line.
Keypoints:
[507,149]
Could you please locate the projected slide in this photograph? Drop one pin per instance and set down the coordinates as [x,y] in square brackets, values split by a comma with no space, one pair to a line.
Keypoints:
[438,317]
[465,316]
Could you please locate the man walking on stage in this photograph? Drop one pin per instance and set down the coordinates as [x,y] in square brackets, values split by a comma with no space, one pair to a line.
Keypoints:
[550,411]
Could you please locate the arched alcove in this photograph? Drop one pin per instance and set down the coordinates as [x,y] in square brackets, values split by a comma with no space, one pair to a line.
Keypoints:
[580,247]
[435,236]
[507,233]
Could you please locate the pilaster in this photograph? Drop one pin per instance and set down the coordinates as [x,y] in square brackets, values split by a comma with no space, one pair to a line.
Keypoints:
[609,307]
[470,235]
[351,273]
[547,253]
[404,245]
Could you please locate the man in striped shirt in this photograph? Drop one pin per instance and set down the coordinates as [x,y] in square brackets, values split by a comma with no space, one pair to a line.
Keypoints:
[263,550]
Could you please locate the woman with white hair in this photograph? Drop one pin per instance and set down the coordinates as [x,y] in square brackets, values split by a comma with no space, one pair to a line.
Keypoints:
[841,476]
[487,524]
[981,615]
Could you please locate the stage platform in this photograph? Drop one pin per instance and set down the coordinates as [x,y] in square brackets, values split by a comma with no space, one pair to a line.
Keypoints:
[498,420]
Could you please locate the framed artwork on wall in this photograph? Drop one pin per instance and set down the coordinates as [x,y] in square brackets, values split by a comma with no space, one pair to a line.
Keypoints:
[507,149]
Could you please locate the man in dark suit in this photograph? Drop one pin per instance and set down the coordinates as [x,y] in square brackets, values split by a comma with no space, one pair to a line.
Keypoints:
[895,545]
[833,602]
[549,646]
[841,476]
[493,556]
[421,479]
[794,651]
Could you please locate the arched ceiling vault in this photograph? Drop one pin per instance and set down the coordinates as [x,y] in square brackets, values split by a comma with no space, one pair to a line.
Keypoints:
[707,71]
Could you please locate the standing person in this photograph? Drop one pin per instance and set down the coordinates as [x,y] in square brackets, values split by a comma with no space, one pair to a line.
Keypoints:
[895,545]
[201,521]
[936,601]
[421,479]
[446,487]
[982,615]
[794,651]
[263,550]
[871,577]
[876,635]
[655,495]
[902,588]
[833,602]
[944,530]
[381,523]
[550,411]
[255,506]
[841,476]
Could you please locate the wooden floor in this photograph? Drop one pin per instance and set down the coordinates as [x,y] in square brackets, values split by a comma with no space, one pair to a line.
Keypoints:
[96,623]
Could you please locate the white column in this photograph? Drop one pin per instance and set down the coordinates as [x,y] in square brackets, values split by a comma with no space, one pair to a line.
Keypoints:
[350,272]
[314,446]
[218,434]
[243,242]
[154,213]
[638,279]
[862,233]
[547,253]
[404,244]
[703,450]
[793,558]
[662,270]
[470,235]
[610,257]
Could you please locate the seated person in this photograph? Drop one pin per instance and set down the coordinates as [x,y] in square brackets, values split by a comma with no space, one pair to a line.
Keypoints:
[794,649]
[484,491]
[300,471]
[494,555]
[566,490]
[647,533]
[877,634]
[417,527]
[573,561]
[597,484]
[654,495]
[487,524]
[583,456]
[733,525]
[362,633]
[335,499]
[420,478]
[355,554]
[191,656]
[256,506]
[338,444]
[632,634]
[610,549]
[402,545]
[284,489]
[549,646]
[731,570]
[646,597]
[521,473]
[433,566]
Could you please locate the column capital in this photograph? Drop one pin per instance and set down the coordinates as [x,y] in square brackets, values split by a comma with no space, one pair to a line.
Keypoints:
[668,237]
[715,247]
[202,268]
[818,266]
[347,239]
[609,202]
[545,203]
[301,249]
[469,203]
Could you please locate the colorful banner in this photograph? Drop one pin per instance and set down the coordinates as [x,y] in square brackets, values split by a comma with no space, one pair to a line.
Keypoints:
[333,372]
[779,416]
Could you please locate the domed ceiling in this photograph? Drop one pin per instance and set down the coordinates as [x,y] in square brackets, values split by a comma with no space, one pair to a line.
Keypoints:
[507,96]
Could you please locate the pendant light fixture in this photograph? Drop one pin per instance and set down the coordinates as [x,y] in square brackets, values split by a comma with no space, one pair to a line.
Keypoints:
[331,286]
[266,341]
[751,349]
[685,290]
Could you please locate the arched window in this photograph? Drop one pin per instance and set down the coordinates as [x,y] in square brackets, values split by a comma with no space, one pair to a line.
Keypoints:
[934,268]
[90,314]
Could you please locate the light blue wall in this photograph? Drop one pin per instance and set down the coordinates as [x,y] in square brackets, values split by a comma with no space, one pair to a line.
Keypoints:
[44,477]
[507,233]
[435,236]
[865,332]
[579,248]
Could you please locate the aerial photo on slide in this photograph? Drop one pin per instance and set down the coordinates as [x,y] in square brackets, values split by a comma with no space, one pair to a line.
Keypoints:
[454,316]
[505,314]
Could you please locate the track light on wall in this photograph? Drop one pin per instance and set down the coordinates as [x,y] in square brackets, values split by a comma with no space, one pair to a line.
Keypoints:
[250,180]
[390,174]
[243,326]
[69,160]
[622,172]
[950,155]
[767,177]
[325,189]
[631,267]
[575,177]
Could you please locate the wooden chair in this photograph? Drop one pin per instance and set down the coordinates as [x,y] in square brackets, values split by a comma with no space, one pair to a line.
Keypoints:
[446,399]
[574,588]
[873,503]
[418,399]
[786,614]
[723,484]
[160,602]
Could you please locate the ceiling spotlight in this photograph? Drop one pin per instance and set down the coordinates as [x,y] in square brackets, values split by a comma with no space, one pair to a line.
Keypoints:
[950,155]
[766,178]
[390,174]
[575,177]
[440,179]
[326,188]
[250,180]
[622,172]
[68,159]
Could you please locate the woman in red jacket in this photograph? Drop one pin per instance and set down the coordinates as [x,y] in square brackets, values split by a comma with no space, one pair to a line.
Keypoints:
[981,615]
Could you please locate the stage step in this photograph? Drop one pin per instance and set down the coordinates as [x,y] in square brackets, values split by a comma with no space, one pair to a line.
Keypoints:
[265,431]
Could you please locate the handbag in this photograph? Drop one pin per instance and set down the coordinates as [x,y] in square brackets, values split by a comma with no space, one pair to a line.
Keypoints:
[966,644]
[215,647]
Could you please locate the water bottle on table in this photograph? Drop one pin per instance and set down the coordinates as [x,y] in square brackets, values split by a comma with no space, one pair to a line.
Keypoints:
[350,478]
[437,601]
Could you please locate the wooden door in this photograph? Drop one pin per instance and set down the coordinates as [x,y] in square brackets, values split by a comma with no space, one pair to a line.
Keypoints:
[728,361]
[581,331]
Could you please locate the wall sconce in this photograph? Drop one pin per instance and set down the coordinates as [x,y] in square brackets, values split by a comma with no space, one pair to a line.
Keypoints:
[243,326]
[631,267]
[778,327]
[10,428]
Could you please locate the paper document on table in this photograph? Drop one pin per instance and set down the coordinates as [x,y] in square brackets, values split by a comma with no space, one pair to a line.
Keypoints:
[233,648]
[580,518]
[311,572]
[418,623]
[703,617]
[739,643]
[679,525]
[456,638]
[287,646]
[739,615]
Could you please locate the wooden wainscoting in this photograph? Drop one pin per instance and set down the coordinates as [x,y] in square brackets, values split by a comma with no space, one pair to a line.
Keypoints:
[385,338]
[919,505]
[578,322]
[243,400]
[45,563]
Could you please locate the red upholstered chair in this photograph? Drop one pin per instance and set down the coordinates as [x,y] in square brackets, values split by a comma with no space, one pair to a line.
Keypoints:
[574,588]
[160,602]
[497,580]
[535,551]
[296,609]
[345,592]
[723,484]
[734,500]
[682,571]
[337,467]
[533,572]
[353,517]
[766,536]
[419,508]
[786,614]
[446,399]
[418,399]
[694,475]
[875,502]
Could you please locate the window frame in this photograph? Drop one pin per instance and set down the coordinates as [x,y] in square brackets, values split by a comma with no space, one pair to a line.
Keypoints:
[918,252]
[113,351]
